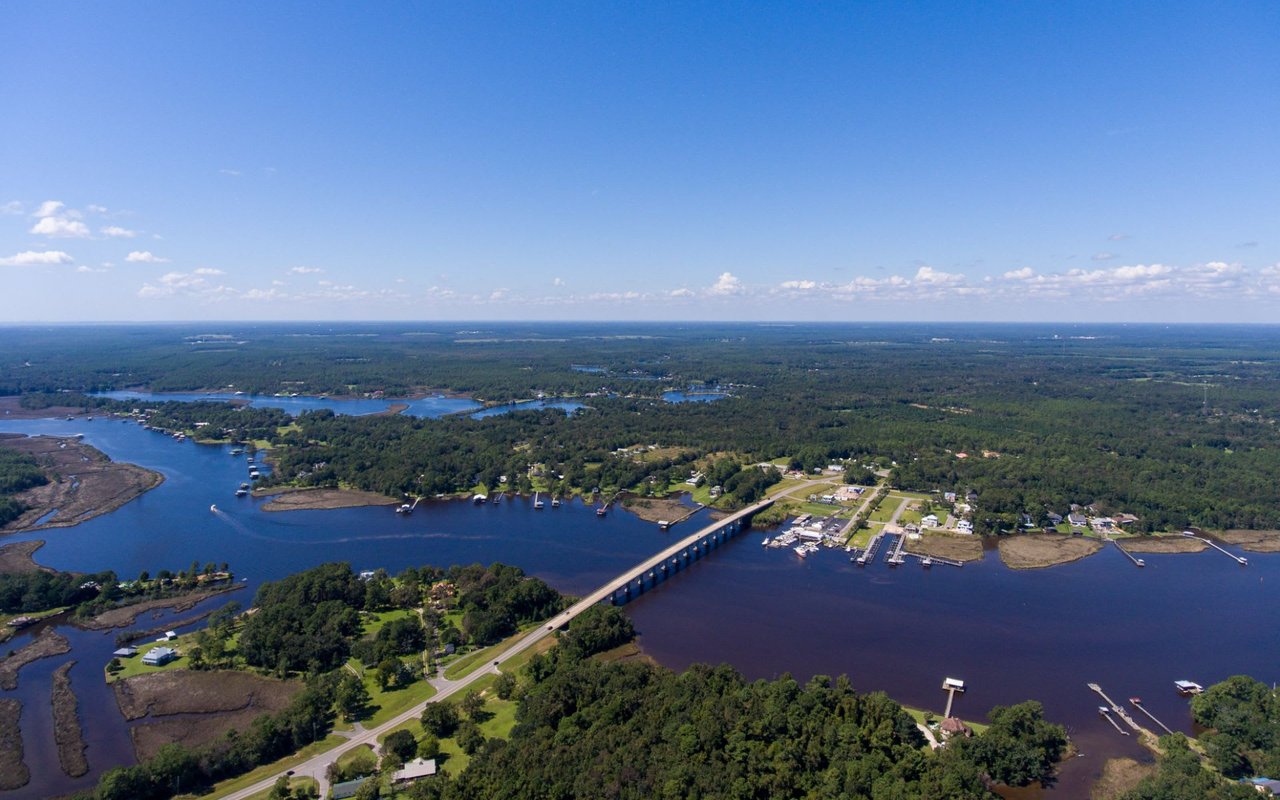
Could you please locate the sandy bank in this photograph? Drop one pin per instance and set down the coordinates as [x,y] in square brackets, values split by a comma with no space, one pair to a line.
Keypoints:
[47,643]
[66,724]
[13,772]
[957,547]
[18,558]
[1162,544]
[309,499]
[210,703]
[1256,541]
[84,482]
[125,615]
[1035,551]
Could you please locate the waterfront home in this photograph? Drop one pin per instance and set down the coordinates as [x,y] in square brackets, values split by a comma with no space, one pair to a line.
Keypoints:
[953,726]
[929,521]
[964,526]
[1054,519]
[1125,519]
[1077,520]
[159,656]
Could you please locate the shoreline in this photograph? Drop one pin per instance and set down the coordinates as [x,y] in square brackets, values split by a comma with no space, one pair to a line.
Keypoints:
[306,498]
[123,616]
[1260,541]
[964,548]
[68,733]
[84,483]
[1042,550]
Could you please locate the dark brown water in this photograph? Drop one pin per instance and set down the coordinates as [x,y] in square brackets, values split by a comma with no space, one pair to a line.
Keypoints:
[1011,635]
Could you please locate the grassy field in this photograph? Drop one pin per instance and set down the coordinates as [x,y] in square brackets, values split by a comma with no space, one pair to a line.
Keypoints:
[248,779]
[466,664]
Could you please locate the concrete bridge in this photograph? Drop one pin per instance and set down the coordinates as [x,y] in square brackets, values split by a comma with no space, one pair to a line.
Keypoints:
[678,556]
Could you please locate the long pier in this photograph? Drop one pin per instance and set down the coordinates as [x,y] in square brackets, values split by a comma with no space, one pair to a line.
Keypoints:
[1244,562]
[1116,708]
[1137,562]
[893,556]
[1138,705]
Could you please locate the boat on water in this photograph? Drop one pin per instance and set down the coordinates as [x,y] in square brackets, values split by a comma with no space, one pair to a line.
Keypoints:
[213,507]
[765,543]
[236,451]
[926,562]
[601,511]
[555,502]
[1188,688]
[480,498]
[802,551]
[404,508]
[249,460]
[241,492]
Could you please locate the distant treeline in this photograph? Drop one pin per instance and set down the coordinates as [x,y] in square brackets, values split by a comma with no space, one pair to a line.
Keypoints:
[1177,426]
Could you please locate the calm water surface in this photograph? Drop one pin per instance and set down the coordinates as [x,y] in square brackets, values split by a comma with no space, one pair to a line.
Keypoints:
[1010,635]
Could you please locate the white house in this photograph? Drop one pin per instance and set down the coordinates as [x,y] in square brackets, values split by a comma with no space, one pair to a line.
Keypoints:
[929,521]
[964,526]
[159,656]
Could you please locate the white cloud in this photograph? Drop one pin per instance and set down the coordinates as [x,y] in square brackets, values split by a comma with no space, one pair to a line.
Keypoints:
[933,276]
[116,232]
[49,208]
[305,270]
[58,221]
[1103,256]
[726,284]
[557,281]
[1026,273]
[61,228]
[85,269]
[235,173]
[95,209]
[11,207]
[682,292]
[145,257]
[30,258]
[208,271]
[500,293]
[1117,237]
[802,286]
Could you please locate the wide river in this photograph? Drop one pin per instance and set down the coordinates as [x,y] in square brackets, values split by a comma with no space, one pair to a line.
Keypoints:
[1010,635]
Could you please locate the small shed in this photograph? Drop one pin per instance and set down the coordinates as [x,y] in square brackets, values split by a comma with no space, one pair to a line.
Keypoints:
[126,652]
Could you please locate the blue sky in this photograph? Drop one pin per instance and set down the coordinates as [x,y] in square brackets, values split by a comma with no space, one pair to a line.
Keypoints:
[845,161]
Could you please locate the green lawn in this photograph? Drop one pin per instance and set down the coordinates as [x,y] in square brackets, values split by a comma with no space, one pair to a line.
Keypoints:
[466,664]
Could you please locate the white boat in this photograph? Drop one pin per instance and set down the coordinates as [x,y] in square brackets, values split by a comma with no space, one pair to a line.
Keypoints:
[241,492]
[765,543]
[802,551]
[404,508]
[479,498]
[555,502]
[213,508]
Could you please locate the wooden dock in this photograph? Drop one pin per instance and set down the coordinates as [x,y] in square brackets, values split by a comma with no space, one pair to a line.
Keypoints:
[1137,703]
[1244,562]
[1116,708]
[1137,562]
[1102,710]
[870,553]
[665,524]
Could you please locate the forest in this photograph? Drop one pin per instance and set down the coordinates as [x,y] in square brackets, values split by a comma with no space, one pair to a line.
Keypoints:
[1176,425]
[18,472]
